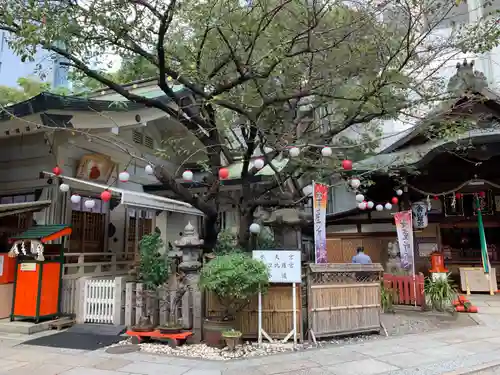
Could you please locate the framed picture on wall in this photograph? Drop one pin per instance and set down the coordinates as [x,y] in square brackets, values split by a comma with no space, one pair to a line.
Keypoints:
[95,167]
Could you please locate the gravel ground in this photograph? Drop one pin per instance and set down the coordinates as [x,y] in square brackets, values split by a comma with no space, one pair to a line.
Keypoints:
[398,324]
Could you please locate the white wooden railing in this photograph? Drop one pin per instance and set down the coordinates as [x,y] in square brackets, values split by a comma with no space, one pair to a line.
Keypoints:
[112,265]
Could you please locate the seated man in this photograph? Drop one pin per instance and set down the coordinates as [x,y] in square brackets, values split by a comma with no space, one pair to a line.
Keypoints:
[361,257]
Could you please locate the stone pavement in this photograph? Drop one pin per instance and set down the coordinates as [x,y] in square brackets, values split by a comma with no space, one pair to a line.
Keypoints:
[436,353]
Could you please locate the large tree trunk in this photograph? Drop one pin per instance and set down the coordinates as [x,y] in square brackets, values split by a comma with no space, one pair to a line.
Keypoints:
[244,236]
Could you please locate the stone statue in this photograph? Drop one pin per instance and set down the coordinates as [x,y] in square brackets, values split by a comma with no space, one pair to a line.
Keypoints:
[394,262]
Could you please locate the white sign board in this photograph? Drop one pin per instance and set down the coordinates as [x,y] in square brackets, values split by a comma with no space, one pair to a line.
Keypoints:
[1,266]
[283,265]
[30,267]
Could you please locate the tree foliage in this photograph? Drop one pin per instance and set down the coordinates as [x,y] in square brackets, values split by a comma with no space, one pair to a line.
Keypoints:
[274,73]
[154,267]
[235,278]
[28,87]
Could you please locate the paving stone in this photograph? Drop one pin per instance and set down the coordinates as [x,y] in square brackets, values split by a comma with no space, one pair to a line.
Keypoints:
[337,355]
[364,367]
[7,365]
[203,372]
[239,371]
[407,360]
[379,351]
[39,369]
[89,371]
[445,352]
[112,364]
[309,371]
[149,368]
[287,366]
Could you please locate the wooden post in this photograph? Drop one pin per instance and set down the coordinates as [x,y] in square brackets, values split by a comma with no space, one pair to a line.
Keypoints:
[80,300]
[129,304]
[119,302]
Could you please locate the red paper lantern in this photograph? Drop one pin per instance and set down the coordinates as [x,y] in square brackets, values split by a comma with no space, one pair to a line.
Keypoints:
[57,171]
[458,195]
[347,165]
[436,198]
[394,200]
[223,173]
[106,196]
[482,194]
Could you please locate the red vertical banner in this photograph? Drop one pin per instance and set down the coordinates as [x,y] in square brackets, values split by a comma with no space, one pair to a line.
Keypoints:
[404,229]
[320,199]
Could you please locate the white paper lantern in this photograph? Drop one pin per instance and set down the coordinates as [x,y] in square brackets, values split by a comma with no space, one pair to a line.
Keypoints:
[326,152]
[254,228]
[308,190]
[64,188]
[419,212]
[370,205]
[355,183]
[399,192]
[360,197]
[149,169]
[379,207]
[388,206]
[90,203]
[258,163]
[124,176]
[362,206]
[75,198]
[187,175]
[294,152]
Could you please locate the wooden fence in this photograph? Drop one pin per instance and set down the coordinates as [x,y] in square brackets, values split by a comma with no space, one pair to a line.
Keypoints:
[406,289]
[343,299]
[277,312]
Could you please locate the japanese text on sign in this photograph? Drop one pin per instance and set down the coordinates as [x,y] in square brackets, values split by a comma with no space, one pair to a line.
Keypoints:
[283,265]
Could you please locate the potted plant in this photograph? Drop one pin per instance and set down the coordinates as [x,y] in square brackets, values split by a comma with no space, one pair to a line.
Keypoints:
[439,293]
[234,278]
[153,271]
[232,338]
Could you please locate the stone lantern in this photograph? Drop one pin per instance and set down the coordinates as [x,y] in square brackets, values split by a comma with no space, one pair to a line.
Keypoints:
[287,224]
[191,247]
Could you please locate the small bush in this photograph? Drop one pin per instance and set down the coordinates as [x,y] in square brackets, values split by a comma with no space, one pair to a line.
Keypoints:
[234,278]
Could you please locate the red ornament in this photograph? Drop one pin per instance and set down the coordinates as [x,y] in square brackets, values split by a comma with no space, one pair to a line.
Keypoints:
[482,194]
[106,196]
[57,171]
[394,200]
[347,165]
[436,198]
[458,195]
[223,173]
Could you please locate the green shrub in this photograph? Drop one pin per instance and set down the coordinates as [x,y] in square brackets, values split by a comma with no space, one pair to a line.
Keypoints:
[154,267]
[234,278]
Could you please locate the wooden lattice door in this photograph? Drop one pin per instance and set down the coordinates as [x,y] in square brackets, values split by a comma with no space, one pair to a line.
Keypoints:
[88,232]
[137,228]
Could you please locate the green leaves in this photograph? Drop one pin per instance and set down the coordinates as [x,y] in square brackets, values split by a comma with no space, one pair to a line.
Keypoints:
[234,278]
[154,268]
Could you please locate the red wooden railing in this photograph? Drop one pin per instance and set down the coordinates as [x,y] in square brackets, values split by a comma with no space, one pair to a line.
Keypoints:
[407,290]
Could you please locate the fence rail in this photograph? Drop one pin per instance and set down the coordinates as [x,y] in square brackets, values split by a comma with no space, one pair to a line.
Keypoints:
[406,289]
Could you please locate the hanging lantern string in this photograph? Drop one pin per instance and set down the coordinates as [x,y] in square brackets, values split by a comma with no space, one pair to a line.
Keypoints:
[452,191]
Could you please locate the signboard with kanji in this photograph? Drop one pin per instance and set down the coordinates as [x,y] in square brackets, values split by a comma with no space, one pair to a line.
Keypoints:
[284,265]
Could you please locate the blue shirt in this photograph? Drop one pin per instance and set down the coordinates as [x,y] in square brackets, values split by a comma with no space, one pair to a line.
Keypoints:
[361,258]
